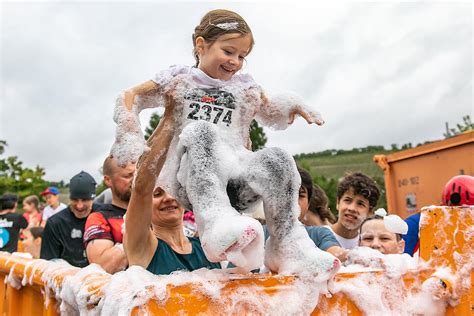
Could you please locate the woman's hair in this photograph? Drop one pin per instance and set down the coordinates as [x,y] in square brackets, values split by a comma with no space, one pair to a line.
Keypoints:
[378,217]
[306,182]
[318,205]
[209,28]
[32,199]
[36,232]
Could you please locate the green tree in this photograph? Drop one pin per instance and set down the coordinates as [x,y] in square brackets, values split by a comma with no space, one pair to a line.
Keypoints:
[3,144]
[257,135]
[16,178]
[465,126]
[329,185]
[154,121]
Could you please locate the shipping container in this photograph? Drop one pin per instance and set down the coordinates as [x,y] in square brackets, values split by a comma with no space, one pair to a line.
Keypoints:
[415,177]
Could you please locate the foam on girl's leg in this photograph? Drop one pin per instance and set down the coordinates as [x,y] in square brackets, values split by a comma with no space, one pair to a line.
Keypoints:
[273,175]
[225,234]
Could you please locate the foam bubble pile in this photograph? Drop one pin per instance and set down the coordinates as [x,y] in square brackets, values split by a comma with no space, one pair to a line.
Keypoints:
[386,291]
[92,291]
[369,283]
[210,169]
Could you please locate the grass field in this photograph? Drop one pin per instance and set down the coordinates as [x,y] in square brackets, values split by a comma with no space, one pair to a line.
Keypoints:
[327,169]
[337,165]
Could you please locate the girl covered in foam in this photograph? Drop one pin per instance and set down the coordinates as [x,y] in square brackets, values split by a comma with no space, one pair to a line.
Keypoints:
[209,166]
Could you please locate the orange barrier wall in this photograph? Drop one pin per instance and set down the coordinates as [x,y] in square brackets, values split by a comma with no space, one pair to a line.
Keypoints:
[416,177]
[444,232]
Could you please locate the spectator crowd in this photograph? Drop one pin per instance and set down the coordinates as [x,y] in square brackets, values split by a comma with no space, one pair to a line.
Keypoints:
[91,229]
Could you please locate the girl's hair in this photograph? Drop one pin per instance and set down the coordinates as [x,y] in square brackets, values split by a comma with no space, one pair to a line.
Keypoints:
[36,232]
[306,182]
[399,236]
[32,199]
[209,30]
[318,205]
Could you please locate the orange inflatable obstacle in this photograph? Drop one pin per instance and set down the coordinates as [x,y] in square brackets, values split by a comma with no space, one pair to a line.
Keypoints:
[441,285]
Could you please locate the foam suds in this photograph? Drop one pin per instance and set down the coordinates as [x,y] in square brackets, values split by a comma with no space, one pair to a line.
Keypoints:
[386,293]
[208,152]
[92,291]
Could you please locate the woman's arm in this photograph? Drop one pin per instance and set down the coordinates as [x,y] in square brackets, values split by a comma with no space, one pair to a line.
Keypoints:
[139,241]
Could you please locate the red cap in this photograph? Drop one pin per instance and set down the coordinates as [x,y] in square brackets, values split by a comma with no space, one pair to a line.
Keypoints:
[50,190]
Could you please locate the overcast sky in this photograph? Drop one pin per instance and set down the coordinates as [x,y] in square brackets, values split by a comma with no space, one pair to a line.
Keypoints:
[380,73]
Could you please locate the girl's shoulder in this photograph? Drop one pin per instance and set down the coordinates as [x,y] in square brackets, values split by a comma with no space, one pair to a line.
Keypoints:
[246,81]
[163,77]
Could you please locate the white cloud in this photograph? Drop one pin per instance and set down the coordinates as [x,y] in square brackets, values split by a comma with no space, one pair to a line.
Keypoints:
[380,73]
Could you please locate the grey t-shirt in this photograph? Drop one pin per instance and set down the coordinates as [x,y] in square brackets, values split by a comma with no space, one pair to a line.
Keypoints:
[322,237]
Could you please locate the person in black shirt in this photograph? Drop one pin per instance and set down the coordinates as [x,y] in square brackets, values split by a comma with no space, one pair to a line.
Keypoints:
[10,223]
[62,236]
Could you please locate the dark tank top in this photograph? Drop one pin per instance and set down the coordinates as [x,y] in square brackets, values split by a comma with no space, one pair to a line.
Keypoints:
[166,260]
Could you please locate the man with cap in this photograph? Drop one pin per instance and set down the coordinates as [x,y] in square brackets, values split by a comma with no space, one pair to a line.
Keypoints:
[51,195]
[103,232]
[10,222]
[62,235]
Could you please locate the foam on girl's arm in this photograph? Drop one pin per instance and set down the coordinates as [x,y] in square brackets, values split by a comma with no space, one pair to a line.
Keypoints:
[275,111]
[129,140]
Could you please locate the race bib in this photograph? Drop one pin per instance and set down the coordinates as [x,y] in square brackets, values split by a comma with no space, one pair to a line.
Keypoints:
[211,105]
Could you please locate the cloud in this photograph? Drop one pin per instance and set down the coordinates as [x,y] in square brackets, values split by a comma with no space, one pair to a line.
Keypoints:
[379,73]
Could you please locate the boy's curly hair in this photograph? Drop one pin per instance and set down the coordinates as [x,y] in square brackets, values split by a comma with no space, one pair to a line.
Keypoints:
[361,185]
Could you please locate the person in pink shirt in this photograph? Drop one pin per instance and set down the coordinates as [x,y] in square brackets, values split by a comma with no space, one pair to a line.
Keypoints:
[32,214]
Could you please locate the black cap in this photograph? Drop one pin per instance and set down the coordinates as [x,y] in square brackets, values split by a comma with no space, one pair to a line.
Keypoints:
[82,186]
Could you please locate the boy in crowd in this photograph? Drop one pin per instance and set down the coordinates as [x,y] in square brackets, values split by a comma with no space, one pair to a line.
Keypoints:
[32,241]
[10,222]
[62,235]
[321,236]
[51,195]
[357,196]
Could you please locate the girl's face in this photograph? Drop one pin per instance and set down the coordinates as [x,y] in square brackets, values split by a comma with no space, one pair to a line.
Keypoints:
[28,208]
[374,235]
[166,210]
[223,58]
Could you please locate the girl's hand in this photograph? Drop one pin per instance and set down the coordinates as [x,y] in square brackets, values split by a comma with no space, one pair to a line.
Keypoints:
[310,117]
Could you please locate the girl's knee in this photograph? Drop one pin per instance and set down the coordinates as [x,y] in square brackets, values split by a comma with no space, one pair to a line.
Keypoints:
[278,159]
[199,132]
